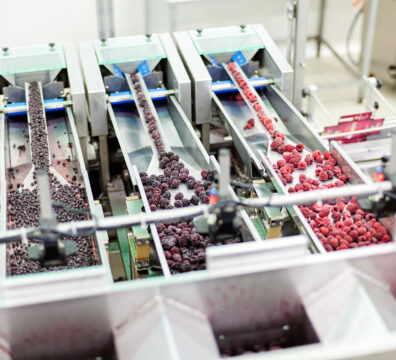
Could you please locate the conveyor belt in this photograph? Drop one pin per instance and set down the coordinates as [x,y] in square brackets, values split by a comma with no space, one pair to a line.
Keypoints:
[52,144]
[177,136]
[257,141]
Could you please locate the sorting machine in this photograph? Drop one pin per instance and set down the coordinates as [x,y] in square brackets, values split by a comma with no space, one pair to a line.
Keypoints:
[108,64]
[255,299]
[222,108]
[43,125]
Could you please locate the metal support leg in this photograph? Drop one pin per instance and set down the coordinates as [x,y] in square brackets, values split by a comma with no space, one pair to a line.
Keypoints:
[104,160]
[300,39]
[205,136]
[172,17]
[320,27]
[105,18]
[370,18]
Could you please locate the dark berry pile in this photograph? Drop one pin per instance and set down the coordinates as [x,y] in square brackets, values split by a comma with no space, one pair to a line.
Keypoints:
[336,229]
[38,129]
[184,248]
[24,206]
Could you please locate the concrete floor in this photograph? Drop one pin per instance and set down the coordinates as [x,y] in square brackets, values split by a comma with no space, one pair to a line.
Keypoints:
[339,100]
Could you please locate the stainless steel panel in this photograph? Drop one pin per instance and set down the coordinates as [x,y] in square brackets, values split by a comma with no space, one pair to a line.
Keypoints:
[202,82]
[277,66]
[95,89]
[77,89]
[296,124]
[177,75]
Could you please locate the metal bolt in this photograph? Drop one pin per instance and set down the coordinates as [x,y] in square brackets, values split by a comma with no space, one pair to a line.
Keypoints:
[148,37]
[51,45]
[5,50]
[199,31]
[243,27]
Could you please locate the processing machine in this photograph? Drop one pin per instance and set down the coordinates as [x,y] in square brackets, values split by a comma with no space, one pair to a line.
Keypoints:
[148,115]
[234,257]
[242,89]
[44,131]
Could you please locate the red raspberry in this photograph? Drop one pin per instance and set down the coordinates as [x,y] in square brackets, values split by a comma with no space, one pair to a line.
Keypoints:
[281,149]
[333,242]
[285,169]
[287,156]
[251,121]
[281,163]
[309,159]
[339,183]
[298,187]
[361,230]
[291,189]
[276,143]
[328,247]
[302,178]
[342,177]
[300,147]
[279,134]
[324,230]
[326,154]
[288,178]
[270,126]
[323,176]
[323,213]
[352,208]
[319,159]
[318,171]
[248,127]
[290,148]
[386,238]
[274,166]
[337,216]
[377,225]
[316,153]
[306,186]
[354,234]
[337,170]
[302,165]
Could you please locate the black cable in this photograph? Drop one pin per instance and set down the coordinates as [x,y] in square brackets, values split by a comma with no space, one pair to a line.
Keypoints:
[349,35]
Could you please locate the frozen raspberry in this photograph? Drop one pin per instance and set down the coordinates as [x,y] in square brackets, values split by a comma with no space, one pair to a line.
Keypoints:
[300,147]
[153,207]
[342,177]
[323,176]
[326,154]
[302,165]
[298,187]
[291,189]
[281,149]
[288,178]
[309,159]
[285,170]
[279,134]
[316,154]
[287,156]
[302,178]
[290,148]
[281,163]
[306,186]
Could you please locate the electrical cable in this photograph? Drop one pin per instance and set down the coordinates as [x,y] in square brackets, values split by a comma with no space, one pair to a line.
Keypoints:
[350,33]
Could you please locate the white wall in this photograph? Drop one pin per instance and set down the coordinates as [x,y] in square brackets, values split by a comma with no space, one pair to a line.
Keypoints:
[44,21]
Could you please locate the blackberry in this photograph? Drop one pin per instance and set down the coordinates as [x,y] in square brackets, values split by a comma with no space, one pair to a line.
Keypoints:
[185,202]
[178,203]
[175,183]
[194,200]
[179,196]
